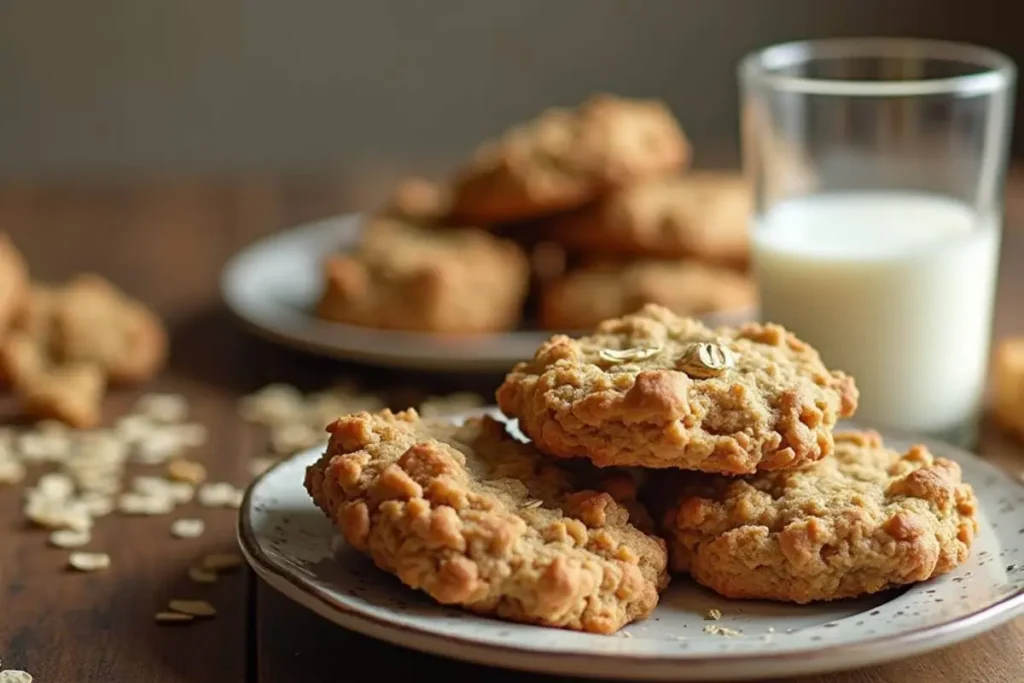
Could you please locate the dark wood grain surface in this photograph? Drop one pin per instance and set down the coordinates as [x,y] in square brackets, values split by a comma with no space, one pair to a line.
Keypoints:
[165,241]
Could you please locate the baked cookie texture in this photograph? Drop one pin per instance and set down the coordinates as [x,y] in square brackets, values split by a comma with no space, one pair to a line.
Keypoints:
[701,214]
[406,276]
[475,518]
[1008,385]
[564,158]
[865,520]
[582,298]
[628,395]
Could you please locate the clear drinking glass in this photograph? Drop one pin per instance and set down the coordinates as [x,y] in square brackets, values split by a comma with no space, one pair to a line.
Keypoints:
[878,167]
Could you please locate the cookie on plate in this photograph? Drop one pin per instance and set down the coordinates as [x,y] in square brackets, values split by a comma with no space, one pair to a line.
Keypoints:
[653,389]
[583,298]
[564,158]
[475,518]
[703,215]
[406,276]
[867,519]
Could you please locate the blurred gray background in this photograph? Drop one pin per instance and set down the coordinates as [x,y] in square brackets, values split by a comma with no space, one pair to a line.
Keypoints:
[112,86]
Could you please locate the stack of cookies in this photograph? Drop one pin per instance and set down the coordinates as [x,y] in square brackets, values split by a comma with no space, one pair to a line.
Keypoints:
[570,218]
[658,446]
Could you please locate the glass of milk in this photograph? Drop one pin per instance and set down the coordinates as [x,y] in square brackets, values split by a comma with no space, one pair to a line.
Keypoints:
[878,167]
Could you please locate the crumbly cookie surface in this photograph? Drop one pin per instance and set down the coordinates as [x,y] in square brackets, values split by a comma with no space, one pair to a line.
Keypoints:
[629,395]
[477,519]
[564,158]
[582,298]
[405,276]
[703,215]
[865,520]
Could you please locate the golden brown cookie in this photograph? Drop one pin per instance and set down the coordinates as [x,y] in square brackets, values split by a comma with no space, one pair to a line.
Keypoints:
[703,215]
[428,279]
[1008,385]
[475,518]
[583,298]
[564,158]
[653,389]
[860,522]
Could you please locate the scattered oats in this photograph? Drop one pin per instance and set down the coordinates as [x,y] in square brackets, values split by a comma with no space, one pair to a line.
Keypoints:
[192,435]
[187,528]
[89,562]
[43,447]
[141,504]
[288,439]
[96,504]
[196,608]
[134,429]
[15,676]
[151,486]
[102,445]
[166,408]
[200,575]
[713,614]
[272,405]
[181,492]
[11,472]
[69,538]
[187,471]
[56,486]
[220,494]
[222,562]
[626,634]
[58,514]
[173,617]
[257,466]
[721,630]
[159,445]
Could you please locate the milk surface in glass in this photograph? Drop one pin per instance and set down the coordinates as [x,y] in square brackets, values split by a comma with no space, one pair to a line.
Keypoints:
[894,288]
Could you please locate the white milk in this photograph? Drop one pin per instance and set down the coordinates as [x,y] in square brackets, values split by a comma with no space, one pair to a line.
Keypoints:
[895,289]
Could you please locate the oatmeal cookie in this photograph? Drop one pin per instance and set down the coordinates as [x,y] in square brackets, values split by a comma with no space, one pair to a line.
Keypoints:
[865,520]
[653,389]
[405,276]
[1008,385]
[475,518]
[564,158]
[583,298]
[703,215]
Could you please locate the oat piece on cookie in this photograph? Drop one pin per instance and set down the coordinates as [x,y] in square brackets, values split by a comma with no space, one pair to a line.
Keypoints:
[564,158]
[1008,385]
[653,389]
[704,215]
[406,276]
[865,520]
[477,519]
[581,299]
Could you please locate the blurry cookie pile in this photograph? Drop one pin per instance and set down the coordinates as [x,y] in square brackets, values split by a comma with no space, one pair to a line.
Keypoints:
[658,446]
[567,219]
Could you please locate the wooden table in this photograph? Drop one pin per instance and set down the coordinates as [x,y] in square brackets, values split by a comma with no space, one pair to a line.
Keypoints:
[165,241]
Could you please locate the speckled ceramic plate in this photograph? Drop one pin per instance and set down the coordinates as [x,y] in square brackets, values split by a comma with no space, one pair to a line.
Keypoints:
[293,547]
[273,285]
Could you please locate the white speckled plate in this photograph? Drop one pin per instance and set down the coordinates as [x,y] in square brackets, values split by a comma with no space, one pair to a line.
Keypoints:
[294,548]
[273,284]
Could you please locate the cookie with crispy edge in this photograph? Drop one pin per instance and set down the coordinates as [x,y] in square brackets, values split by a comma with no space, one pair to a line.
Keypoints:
[867,519]
[566,157]
[634,394]
[475,518]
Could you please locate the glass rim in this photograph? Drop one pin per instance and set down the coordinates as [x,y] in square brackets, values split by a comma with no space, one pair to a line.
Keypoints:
[996,71]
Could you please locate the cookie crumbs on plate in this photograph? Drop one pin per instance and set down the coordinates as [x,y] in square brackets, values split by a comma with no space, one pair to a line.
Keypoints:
[173,617]
[89,562]
[713,614]
[721,630]
[187,528]
[195,608]
[625,634]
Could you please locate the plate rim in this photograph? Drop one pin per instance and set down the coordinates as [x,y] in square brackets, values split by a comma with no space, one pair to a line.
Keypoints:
[461,357]
[912,642]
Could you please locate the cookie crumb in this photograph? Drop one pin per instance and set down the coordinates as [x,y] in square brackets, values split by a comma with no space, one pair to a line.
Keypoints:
[713,614]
